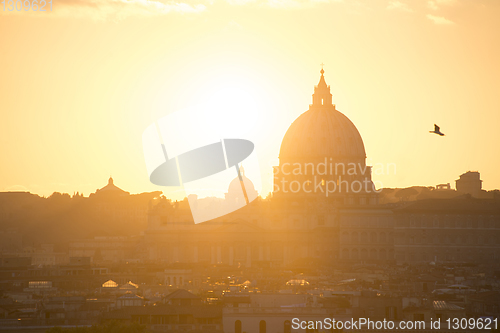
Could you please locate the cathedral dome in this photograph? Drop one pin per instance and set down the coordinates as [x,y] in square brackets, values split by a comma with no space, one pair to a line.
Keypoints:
[321,132]
[235,185]
[235,191]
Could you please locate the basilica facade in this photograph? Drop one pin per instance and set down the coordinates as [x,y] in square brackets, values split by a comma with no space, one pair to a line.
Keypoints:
[324,209]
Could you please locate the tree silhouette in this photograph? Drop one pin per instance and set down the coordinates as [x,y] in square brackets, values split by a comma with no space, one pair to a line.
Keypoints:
[108,327]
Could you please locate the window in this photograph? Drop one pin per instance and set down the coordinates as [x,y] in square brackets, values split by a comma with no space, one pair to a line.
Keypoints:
[287,327]
[262,326]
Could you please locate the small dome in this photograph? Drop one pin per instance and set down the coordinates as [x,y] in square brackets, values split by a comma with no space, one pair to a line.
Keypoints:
[111,188]
[235,186]
[235,192]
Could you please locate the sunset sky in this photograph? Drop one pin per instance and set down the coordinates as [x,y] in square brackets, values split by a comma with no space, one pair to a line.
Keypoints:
[80,84]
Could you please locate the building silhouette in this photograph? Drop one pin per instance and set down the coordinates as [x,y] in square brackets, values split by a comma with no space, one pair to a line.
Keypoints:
[303,224]
[469,183]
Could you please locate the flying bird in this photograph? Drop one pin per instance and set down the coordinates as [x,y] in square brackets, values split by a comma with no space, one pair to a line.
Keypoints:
[436,130]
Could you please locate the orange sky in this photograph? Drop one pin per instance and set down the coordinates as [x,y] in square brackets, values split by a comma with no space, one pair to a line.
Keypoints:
[79,85]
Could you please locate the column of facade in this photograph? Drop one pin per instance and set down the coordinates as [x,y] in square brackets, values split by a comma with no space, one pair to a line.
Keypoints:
[195,254]
[219,254]
[249,257]
[231,255]
[268,252]
[213,257]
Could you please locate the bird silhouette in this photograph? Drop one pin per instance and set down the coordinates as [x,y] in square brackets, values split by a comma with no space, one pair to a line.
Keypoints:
[436,130]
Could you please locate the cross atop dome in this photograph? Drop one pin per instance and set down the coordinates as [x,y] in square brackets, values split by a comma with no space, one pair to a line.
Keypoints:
[322,95]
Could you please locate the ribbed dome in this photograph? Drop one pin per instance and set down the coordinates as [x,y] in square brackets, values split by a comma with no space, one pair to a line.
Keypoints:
[322,132]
